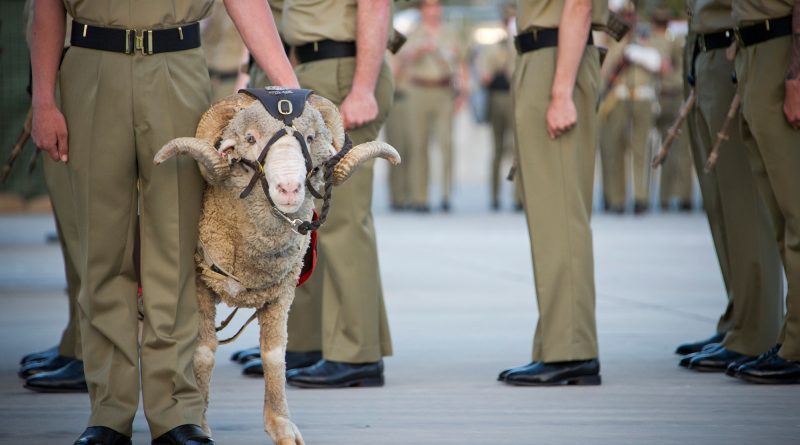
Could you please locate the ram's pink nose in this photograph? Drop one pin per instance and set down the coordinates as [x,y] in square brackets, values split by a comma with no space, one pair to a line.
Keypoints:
[289,189]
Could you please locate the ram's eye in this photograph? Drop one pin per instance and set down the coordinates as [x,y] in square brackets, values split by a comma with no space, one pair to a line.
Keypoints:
[250,139]
[310,138]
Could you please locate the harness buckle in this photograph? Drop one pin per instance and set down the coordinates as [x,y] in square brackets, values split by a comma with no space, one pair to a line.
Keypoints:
[285,107]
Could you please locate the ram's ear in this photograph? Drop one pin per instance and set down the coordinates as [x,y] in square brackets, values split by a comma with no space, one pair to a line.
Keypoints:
[226,146]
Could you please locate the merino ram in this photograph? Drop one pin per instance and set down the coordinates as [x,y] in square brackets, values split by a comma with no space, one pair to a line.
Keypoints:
[248,254]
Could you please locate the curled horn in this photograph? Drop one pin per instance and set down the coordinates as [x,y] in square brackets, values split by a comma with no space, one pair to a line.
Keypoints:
[331,117]
[362,153]
[213,167]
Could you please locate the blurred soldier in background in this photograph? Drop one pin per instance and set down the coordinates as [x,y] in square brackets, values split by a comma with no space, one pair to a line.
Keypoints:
[768,72]
[225,51]
[556,86]
[626,116]
[399,136]
[59,369]
[495,65]
[433,60]
[676,171]
[740,224]
[340,46]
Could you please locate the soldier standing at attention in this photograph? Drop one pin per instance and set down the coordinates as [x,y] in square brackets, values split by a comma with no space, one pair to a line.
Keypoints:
[768,73]
[340,46]
[676,171]
[59,369]
[555,86]
[627,114]
[739,221]
[433,60]
[134,78]
[495,65]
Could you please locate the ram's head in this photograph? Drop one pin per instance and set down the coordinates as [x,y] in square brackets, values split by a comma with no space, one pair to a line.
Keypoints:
[238,127]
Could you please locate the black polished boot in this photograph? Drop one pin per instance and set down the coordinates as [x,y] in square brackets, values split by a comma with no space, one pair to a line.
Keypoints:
[294,360]
[709,348]
[40,356]
[697,346]
[583,372]
[35,367]
[101,435]
[245,355]
[70,378]
[715,360]
[330,374]
[770,370]
[184,435]
[504,373]
[733,368]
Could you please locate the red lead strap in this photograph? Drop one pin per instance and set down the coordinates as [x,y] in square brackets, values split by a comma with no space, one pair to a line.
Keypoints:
[310,259]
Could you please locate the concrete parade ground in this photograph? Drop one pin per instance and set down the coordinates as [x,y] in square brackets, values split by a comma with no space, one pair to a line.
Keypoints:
[461,307]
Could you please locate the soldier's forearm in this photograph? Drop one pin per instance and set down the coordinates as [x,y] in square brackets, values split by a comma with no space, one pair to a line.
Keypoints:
[573,31]
[47,42]
[794,64]
[372,33]
[256,25]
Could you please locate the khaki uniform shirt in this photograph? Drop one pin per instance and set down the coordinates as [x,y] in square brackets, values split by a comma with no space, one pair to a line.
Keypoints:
[276,6]
[436,65]
[306,21]
[221,41]
[547,13]
[750,11]
[706,16]
[497,59]
[671,50]
[138,14]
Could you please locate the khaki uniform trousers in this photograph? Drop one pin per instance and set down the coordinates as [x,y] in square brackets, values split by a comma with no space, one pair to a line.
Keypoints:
[501,118]
[398,135]
[625,130]
[557,179]
[676,171]
[431,113]
[56,176]
[739,221]
[121,109]
[774,149]
[340,309]
[222,86]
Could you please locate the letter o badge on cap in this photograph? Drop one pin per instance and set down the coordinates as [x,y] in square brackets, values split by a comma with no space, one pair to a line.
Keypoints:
[285,107]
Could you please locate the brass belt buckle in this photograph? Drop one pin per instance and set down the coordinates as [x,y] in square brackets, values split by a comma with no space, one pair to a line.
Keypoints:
[142,41]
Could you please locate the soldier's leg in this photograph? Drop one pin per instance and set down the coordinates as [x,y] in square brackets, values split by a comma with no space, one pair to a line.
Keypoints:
[420,127]
[755,288]
[776,142]
[684,180]
[396,135]
[354,323]
[498,128]
[557,179]
[443,114]
[97,102]
[612,157]
[59,186]
[641,124]
[168,106]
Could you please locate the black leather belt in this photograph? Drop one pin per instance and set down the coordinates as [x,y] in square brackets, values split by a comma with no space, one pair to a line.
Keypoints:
[540,38]
[324,49]
[131,41]
[715,40]
[763,31]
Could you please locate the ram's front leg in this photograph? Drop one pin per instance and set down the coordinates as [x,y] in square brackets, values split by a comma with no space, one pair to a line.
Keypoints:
[272,321]
[203,361]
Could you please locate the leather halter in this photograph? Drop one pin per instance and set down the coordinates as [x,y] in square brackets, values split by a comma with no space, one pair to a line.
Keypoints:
[284,105]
